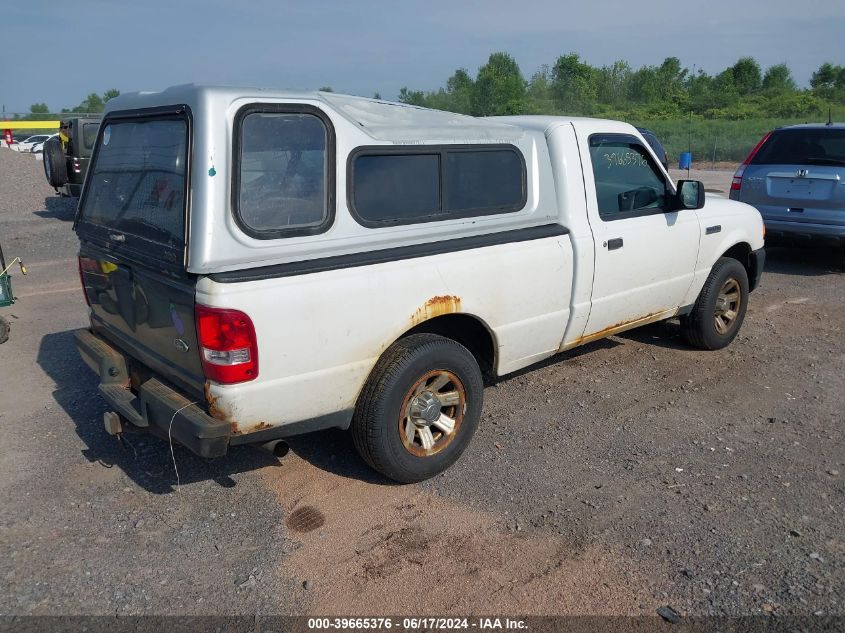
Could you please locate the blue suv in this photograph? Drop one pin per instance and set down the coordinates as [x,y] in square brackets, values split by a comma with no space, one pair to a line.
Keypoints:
[795,177]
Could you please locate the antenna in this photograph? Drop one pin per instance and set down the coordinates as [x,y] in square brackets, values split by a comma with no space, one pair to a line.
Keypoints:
[829,119]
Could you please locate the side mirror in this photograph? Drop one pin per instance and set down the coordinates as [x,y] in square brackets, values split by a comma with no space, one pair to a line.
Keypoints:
[690,195]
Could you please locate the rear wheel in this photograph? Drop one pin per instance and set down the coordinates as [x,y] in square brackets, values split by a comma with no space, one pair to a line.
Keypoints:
[720,308]
[419,409]
[55,168]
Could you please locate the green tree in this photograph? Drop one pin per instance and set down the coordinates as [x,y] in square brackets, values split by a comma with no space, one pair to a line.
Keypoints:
[539,91]
[747,76]
[700,91]
[459,92]
[499,87]
[829,82]
[412,97]
[612,83]
[573,85]
[778,79]
[725,91]
[37,111]
[325,89]
[110,94]
[826,76]
[671,77]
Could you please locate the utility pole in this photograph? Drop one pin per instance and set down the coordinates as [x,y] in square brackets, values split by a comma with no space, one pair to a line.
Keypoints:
[689,127]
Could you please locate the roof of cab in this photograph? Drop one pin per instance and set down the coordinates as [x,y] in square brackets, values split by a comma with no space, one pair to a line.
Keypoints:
[545,123]
[382,120]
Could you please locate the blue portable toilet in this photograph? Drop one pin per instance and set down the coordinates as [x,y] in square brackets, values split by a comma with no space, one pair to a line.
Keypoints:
[685,160]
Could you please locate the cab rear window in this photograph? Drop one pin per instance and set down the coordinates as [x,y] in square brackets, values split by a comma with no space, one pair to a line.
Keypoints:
[137,183]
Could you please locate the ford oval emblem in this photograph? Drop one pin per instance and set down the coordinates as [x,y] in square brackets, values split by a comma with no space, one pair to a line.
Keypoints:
[181,345]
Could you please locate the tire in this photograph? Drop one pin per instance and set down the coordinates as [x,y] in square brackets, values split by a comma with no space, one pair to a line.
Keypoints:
[55,167]
[709,326]
[394,425]
[4,330]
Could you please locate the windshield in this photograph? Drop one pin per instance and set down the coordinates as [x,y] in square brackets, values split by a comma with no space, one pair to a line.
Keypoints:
[137,181]
[803,146]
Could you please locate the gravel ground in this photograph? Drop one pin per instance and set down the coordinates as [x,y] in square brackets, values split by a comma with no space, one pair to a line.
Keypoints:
[620,477]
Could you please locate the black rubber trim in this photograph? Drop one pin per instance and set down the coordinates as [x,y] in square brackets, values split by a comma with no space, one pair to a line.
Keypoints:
[757,261]
[389,254]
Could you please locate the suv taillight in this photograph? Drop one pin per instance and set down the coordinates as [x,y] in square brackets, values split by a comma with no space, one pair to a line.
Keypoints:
[736,184]
[228,347]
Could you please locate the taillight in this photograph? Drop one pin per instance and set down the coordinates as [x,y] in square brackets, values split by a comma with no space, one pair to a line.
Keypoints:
[86,263]
[228,347]
[736,183]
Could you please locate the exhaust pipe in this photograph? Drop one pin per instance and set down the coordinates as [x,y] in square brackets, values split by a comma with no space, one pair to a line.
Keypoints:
[279,448]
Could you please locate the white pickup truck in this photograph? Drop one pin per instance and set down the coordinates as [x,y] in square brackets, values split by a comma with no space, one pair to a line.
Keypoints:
[260,264]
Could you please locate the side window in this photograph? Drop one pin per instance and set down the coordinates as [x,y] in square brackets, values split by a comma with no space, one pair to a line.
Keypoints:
[89,134]
[397,188]
[627,181]
[483,180]
[282,186]
[405,186]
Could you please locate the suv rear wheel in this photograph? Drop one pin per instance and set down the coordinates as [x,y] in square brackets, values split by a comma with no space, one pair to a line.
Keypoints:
[419,408]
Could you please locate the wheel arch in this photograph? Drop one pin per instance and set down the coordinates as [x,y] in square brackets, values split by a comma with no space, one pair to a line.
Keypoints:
[468,330]
[741,251]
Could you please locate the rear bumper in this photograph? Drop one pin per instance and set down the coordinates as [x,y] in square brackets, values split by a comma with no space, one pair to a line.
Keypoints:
[155,407]
[756,261]
[780,230]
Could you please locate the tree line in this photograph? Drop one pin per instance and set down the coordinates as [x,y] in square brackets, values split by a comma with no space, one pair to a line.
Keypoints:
[92,104]
[668,91]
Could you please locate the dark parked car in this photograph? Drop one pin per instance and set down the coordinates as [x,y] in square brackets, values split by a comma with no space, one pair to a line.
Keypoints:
[655,144]
[66,156]
[795,177]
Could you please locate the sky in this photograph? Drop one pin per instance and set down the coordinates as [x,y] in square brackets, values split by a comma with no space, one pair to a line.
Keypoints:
[59,52]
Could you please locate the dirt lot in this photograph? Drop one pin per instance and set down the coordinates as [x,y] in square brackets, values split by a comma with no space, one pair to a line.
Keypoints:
[626,475]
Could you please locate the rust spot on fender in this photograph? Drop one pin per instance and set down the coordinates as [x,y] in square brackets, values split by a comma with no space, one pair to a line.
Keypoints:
[260,426]
[436,306]
[214,410]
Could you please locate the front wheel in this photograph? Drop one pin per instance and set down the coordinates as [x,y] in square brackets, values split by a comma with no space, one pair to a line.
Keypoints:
[720,308]
[419,408]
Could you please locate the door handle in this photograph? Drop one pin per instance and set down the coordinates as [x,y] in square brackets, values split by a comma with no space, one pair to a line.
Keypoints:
[613,244]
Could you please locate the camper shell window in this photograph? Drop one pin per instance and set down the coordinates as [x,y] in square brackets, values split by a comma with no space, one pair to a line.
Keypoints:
[391,186]
[284,171]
